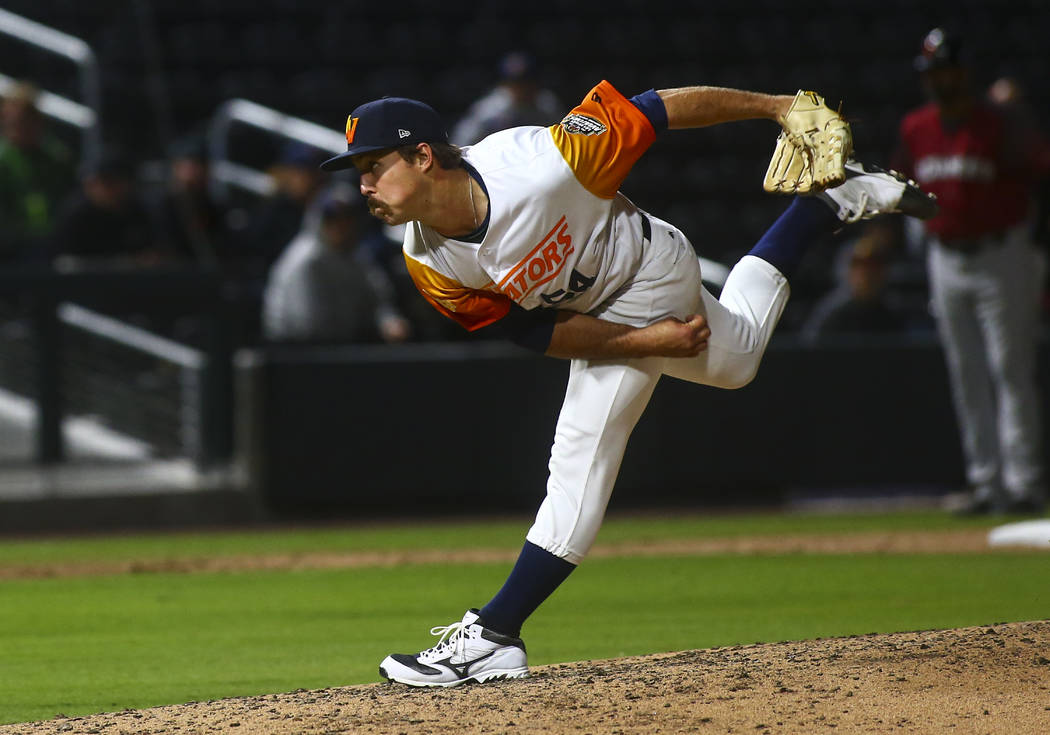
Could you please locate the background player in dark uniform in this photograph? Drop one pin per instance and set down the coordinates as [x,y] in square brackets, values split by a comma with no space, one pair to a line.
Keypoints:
[985,273]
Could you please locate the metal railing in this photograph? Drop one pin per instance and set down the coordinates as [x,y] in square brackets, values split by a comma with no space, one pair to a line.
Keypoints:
[86,116]
[141,384]
[196,412]
[241,111]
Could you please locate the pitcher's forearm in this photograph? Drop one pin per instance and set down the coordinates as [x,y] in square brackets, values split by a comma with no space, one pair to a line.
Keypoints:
[579,336]
[697,107]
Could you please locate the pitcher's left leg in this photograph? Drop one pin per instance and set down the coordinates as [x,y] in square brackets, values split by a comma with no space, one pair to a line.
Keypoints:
[743,318]
[741,322]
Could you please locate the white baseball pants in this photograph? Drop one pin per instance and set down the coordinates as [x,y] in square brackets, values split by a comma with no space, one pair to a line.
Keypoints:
[605,398]
[987,310]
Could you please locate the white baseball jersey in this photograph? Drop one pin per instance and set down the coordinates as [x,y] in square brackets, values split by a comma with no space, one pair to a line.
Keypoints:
[559,234]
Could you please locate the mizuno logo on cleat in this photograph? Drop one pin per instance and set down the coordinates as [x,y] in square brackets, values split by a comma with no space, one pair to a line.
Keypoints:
[461,670]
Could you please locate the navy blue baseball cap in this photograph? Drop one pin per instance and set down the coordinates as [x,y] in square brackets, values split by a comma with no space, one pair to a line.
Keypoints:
[389,122]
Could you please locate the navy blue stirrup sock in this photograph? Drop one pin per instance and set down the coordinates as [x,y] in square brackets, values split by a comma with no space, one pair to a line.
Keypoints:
[803,223]
[535,576]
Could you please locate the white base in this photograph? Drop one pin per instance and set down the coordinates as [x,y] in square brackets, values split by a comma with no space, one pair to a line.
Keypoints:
[1025,533]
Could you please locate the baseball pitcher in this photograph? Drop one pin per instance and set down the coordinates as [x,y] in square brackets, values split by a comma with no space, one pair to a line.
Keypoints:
[528,226]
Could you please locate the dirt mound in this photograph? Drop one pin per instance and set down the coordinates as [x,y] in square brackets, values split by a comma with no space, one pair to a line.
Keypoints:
[972,680]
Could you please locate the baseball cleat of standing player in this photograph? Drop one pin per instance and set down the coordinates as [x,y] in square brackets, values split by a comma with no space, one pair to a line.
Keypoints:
[870,191]
[466,651]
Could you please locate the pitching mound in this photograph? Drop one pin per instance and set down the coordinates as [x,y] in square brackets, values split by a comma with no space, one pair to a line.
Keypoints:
[972,680]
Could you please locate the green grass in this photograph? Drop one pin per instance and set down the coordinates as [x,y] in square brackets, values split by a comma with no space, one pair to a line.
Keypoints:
[88,644]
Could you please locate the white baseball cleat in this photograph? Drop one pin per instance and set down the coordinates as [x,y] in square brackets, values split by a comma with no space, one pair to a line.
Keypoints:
[465,652]
[870,191]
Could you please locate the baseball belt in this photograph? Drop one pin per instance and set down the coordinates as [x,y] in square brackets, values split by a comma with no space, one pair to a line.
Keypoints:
[974,245]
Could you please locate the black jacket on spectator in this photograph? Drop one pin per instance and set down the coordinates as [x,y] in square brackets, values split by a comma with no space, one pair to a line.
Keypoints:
[85,230]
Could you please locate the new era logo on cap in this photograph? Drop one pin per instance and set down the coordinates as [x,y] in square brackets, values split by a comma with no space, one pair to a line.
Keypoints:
[389,122]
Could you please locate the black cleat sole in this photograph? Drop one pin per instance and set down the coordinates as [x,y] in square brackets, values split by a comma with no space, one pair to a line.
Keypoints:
[917,203]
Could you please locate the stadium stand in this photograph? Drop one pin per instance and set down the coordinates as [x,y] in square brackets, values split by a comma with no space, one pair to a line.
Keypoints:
[168,66]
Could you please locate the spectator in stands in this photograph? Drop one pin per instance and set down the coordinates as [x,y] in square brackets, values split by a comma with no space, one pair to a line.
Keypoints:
[860,303]
[105,223]
[985,274]
[277,220]
[325,287]
[36,173]
[191,224]
[270,225]
[517,100]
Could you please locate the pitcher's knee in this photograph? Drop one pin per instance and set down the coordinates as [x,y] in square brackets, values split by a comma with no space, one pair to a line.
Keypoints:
[735,376]
[739,381]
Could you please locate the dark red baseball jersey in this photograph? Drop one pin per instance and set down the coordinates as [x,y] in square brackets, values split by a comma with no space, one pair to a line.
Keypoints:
[982,169]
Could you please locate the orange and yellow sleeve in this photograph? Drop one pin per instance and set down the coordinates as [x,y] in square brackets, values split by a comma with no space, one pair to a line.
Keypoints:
[602,138]
[472,308]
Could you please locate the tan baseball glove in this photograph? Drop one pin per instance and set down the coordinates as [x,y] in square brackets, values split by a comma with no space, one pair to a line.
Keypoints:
[812,149]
